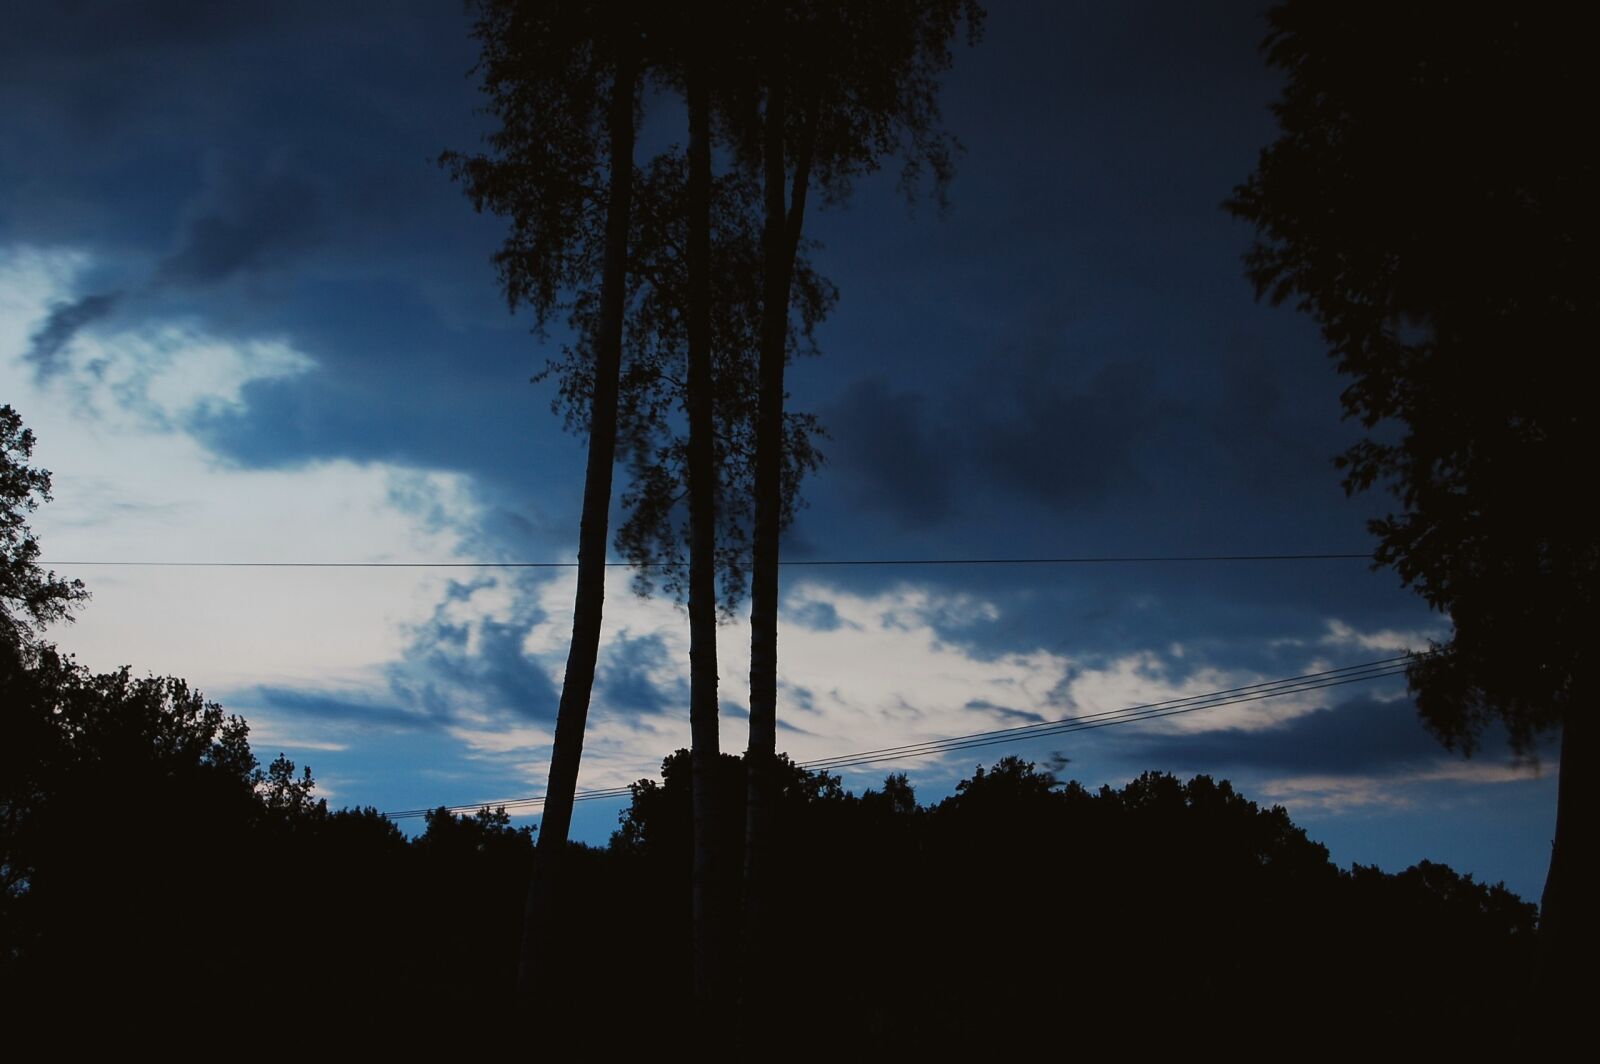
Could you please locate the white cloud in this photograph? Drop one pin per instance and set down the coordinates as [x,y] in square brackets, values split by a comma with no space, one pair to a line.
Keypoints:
[271,735]
[1340,635]
[132,482]
[880,676]
[1399,790]
[170,373]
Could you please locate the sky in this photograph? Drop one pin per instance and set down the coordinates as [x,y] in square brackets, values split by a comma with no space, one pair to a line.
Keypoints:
[249,318]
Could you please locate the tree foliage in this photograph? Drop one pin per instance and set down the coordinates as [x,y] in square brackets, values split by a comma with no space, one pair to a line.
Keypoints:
[547,71]
[1430,203]
[31,597]
[860,87]
[83,753]
[987,910]
[653,388]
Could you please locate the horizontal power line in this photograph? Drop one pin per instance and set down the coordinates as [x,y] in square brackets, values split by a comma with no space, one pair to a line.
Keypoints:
[792,563]
[1314,681]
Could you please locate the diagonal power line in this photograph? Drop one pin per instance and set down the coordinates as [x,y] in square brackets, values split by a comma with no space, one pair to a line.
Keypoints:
[1313,681]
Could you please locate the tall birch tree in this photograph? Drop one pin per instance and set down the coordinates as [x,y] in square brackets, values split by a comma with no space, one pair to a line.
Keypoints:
[836,88]
[562,77]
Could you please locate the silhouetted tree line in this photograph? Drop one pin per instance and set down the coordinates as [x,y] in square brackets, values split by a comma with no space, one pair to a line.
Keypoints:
[1023,912]
[151,862]
[150,867]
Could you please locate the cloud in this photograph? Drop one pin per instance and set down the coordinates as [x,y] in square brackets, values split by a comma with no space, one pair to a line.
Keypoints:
[892,451]
[1384,641]
[881,672]
[1042,429]
[478,665]
[639,676]
[117,426]
[815,614]
[1056,439]
[1399,790]
[1355,735]
[250,218]
[1016,716]
[64,322]
[467,663]
[177,118]
[138,377]
[334,707]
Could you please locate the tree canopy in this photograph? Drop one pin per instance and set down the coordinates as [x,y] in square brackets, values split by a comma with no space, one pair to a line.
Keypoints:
[1429,202]
[31,597]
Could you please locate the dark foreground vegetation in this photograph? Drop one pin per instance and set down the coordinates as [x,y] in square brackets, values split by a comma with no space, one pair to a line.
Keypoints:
[152,865]
[157,884]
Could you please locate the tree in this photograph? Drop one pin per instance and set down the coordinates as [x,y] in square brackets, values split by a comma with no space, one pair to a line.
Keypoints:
[30,596]
[114,910]
[832,89]
[562,77]
[655,533]
[30,599]
[704,308]
[75,744]
[1429,202]
[655,429]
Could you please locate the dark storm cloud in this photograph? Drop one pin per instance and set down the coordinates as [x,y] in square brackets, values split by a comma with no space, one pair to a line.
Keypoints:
[1018,716]
[97,66]
[480,662]
[815,615]
[97,28]
[1075,433]
[127,108]
[793,699]
[250,219]
[65,322]
[891,450]
[625,682]
[1020,427]
[1067,443]
[1071,362]
[321,705]
[440,670]
[267,170]
[1356,736]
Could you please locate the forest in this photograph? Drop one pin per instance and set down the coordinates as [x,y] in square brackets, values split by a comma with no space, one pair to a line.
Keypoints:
[153,867]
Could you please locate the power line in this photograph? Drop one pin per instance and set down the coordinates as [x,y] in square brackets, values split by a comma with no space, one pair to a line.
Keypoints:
[1171,707]
[792,563]
[1314,681]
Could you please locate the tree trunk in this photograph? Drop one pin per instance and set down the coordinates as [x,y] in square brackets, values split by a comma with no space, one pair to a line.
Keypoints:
[764,561]
[536,967]
[1566,926]
[710,923]
[780,242]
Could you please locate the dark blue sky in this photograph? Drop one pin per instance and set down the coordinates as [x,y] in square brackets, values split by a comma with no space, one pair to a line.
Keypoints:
[250,318]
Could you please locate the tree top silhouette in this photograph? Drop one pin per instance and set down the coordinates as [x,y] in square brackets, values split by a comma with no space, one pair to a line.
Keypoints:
[1427,203]
[31,597]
